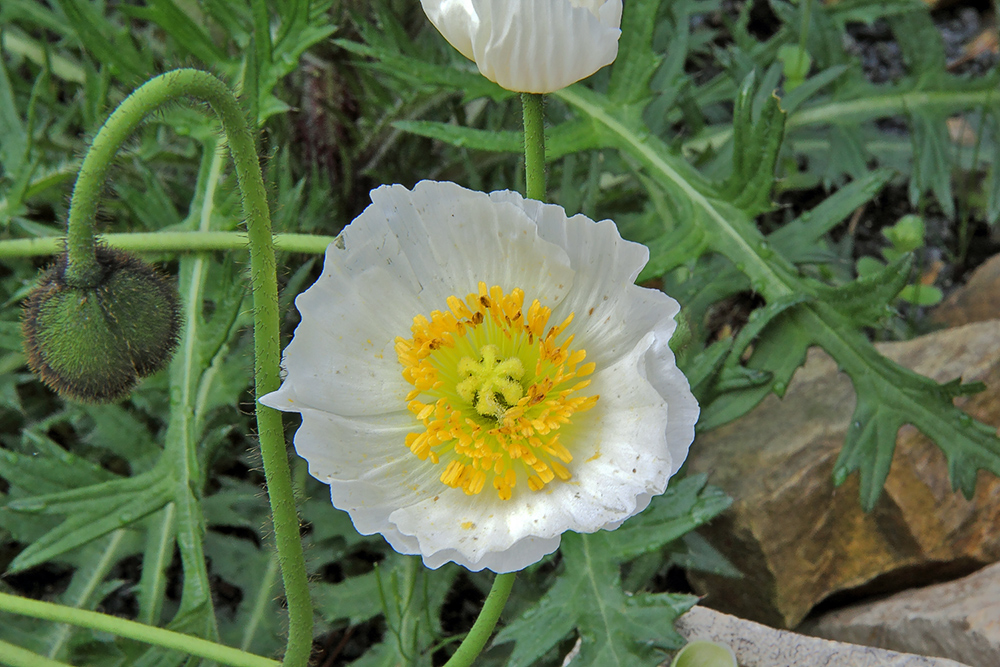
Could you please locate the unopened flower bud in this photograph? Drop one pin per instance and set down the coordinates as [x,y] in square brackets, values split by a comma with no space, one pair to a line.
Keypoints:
[93,344]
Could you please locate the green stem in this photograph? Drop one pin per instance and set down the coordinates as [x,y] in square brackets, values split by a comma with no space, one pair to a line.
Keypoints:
[82,271]
[169,242]
[15,656]
[534,145]
[123,628]
[474,642]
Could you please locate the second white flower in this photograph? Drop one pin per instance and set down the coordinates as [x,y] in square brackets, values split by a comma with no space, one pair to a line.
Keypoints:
[531,46]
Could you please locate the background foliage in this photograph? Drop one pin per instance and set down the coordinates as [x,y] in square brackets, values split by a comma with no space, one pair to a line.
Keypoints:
[735,139]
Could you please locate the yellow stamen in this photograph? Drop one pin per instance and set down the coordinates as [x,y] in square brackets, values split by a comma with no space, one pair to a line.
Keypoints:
[492,386]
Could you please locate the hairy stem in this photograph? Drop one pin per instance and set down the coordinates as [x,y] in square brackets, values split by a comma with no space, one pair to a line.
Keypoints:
[119,626]
[534,145]
[474,642]
[15,656]
[169,242]
[83,271]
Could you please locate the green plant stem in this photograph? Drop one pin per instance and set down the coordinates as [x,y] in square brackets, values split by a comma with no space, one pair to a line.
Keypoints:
[15,656]
[473,644]
[119,626]
[82,271]
[169,242]
[534,145]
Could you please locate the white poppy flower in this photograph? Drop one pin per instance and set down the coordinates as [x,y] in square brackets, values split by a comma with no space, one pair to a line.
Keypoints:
[479,373]
[531,46]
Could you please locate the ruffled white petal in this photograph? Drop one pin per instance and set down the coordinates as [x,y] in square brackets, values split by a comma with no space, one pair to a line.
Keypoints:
[402,257]
[619,452]
[531,46]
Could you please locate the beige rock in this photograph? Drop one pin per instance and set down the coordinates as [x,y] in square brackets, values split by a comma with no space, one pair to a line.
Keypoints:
[959,620]
[798,539]
[757,645]
[976,301]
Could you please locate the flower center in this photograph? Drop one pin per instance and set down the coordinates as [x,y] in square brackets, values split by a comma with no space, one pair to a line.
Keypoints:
[493,389]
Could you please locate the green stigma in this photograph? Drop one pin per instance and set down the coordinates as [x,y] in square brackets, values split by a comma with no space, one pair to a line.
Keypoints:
[490,385]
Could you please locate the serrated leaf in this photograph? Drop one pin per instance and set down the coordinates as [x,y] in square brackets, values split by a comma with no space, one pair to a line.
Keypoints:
[694,552]
[781,352]
[794,99]
[13,137]
[588,597]
[355,599]
[561,140]
[40,473]
[706,364]
[758,321]
[636,63]
[932,161]
[796,238]
[188,35]
[471,82]
[103,41]
[686,504]
[865,300]
[757,139]
[920,41]
[83,527]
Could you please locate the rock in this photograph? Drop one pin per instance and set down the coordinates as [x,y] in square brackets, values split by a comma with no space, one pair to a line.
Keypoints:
[976,301]
[958,619]
[798,539]
[757,645]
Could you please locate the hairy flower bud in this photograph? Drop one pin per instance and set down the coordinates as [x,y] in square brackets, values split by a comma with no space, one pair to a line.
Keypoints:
[93,344]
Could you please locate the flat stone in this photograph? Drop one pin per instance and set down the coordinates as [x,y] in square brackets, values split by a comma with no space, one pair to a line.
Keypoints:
[757,645]
[959,619]
[799,540]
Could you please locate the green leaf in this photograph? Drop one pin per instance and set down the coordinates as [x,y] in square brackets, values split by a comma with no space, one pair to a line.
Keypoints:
[355,599]
[587,597]
[13,137]
[83,526]
[636,63]
[562,140]
[694,552]
[866,300]
[188,34]
[105,43]
[45,467]
[686,504]
[781,352]
[471,82]
[921,295]
[756,141]
[797,238]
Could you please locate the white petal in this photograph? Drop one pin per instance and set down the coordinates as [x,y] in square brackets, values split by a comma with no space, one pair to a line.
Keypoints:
[620,455]
[660,369]
[540,46]
[456,20]
[456,238]
[611,313]
[342,356]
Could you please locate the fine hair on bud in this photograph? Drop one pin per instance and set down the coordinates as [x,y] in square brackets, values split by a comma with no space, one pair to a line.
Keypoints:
[93,344]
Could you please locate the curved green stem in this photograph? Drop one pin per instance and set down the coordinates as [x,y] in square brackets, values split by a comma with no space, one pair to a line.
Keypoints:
[123,628]
[83,271]
[169,242]
[473,644]
[534,145]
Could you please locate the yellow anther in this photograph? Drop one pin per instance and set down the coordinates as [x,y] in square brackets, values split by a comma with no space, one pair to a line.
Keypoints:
[485,414]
